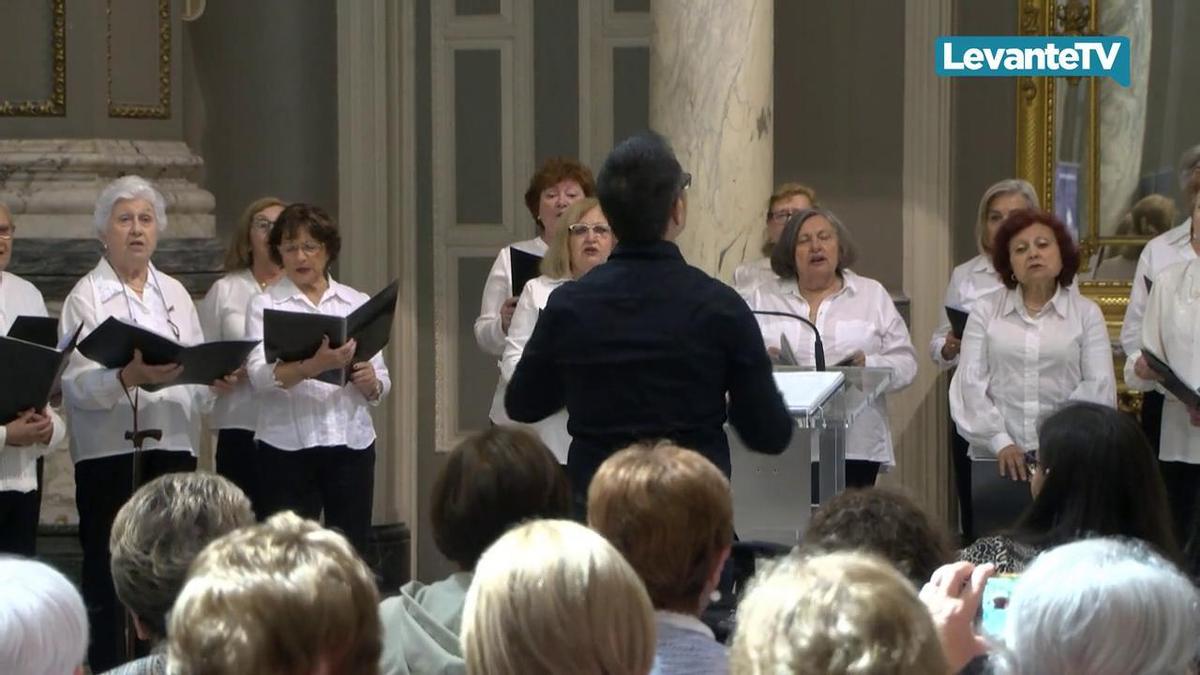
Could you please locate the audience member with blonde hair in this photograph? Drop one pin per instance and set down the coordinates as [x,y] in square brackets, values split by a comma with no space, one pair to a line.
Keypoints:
[43,625]
[285,596]
[156,536]
[834,614]
[553,597]
[491,482]
[669,511]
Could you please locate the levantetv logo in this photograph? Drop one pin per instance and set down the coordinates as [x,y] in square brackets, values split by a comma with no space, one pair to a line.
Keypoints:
[1013,56]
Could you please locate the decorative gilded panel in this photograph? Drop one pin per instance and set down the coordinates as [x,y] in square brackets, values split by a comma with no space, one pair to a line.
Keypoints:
[56,104]
[162,108]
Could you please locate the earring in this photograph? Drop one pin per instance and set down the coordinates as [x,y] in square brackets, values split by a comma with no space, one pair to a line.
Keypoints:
[1014,276]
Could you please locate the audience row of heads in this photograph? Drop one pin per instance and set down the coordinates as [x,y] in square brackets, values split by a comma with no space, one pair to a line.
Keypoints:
[551,596]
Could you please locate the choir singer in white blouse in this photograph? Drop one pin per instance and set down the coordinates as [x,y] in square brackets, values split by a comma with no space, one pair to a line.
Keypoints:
[558,183]
[32,434]
[129,216]
[968,282]
[249,271]
[584,241]
[1029,347]
[316,441]
[857,319]
[1171,330]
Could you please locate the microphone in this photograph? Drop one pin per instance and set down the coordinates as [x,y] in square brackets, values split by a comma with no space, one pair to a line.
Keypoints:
[818,347]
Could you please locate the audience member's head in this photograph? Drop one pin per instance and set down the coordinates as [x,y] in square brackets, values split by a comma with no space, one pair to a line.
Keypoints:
[492,481]
[839,613]
[43,625]
[554,597]
[670,513]
[285,597]
[1096,476]
[641,189]
[1101,606]
[886,523]
[157,534]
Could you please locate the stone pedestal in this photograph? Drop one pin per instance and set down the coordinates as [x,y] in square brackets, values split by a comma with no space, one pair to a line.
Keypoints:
[711,95]
[51,185]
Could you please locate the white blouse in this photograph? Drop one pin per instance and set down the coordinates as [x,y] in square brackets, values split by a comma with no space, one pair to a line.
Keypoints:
[749,276]
[860,317]
[968,282]
[312,413]
[489,329]
[1171,330]
[553,429]
[18,465]
[1167,249]
[1016,369]
[98,412]
[223,316]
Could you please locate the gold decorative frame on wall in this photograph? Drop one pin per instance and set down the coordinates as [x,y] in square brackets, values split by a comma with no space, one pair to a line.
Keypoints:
[161,110]
[1036,158]
[56,105]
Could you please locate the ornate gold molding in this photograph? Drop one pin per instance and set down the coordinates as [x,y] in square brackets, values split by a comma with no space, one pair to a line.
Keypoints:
[162,109]
[56,105]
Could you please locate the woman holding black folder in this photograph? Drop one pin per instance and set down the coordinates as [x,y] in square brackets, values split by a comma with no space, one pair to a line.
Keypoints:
[316,441]
[558,183]
[969,282]
[100,402]
[249,271]
[1171,331]
[25,439]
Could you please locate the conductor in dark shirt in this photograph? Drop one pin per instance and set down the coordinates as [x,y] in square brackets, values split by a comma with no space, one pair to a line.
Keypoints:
[646,346]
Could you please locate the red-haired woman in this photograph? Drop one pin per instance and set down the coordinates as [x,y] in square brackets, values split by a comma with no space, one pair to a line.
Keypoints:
[1029,347]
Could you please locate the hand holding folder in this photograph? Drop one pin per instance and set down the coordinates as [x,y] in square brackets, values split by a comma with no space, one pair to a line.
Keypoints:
[29,374]
[113,345]
[1171,381]
[297,336]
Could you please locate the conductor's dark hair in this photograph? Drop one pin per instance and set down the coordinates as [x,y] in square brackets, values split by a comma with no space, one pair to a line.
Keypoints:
[1100,480]
[638,185]
[492,481]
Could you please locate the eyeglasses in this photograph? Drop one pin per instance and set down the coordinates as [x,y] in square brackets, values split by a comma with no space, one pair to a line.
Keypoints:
[685,182]
[262,224]
[309,248]
[7,231]
[781,216]
[598,229]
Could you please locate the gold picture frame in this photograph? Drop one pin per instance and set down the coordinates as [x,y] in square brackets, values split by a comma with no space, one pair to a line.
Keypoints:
[56,105]
[161,109]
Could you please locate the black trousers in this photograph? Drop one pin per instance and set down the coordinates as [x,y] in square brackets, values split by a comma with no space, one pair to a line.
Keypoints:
[1152,406]
[236,459]
[337,480]
[102,486]
[860,473]
[960,456]
[1182,480]
[19,514]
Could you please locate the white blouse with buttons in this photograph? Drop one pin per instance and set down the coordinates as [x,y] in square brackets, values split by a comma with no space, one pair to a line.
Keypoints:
[968,282]
[18,464]
[223,317]
[860,317]
[1017,368]
[98,410]
[312,413]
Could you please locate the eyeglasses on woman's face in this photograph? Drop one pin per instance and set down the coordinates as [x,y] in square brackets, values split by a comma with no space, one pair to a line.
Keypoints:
[7,230]
[308,248]
[598,229]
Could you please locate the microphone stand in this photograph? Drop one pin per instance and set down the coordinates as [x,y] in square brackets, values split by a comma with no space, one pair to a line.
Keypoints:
[818,346]
[137,437]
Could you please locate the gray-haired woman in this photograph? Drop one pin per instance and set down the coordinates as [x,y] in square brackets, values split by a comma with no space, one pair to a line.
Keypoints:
[130,213]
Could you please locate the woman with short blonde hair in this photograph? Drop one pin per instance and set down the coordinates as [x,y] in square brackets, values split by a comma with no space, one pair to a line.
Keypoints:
[285,596]
[582,242]
[834,614]
[552,597]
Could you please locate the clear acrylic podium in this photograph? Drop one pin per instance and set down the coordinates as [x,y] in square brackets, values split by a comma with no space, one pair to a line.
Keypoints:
[772,498]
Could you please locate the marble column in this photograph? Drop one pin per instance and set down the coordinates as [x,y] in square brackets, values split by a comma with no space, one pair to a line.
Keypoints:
[711,95]
[1123,111]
